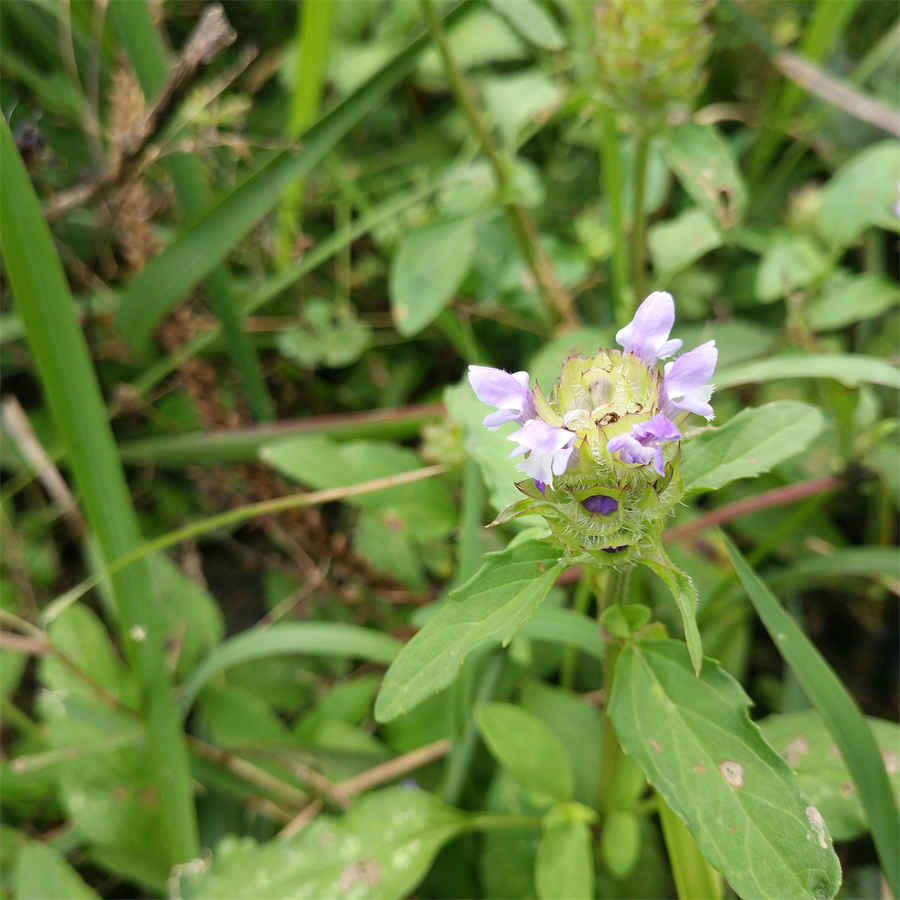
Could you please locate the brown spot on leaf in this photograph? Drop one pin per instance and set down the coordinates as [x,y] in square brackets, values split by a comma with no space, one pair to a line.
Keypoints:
[366,871]
[654,745]
[732,772]
[699,767]
[149,796]
[795,749]
[891,761]
[818,826]
[847,789]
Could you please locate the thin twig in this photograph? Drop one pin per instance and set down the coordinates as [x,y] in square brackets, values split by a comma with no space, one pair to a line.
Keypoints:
[523,225]
[393,768]
[301,820]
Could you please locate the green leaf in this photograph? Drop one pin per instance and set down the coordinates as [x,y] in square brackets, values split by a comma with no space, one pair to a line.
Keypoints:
[862,193]
[841,715]
[565,863]
[677,243]
[528,748]
[567,627]
[791,262]
[42,872]
[693,737]
[333,336]
[307,638]
[841,562]
[620,843]
[754,441]
[171,275]
[851,298]
[849,368]
[693,875]
[683,590]
[426,271]
[736,339]
[530,20]
[578,725]
[705,166]
[518,101]
[386,544]
[424,509]
[490,607]
[380,850]
[804,741]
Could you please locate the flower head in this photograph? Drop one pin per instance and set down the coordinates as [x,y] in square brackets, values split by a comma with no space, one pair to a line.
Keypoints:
[508,392]
[647,334]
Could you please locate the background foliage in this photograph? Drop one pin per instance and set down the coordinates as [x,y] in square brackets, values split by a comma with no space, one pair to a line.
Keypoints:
[248,252]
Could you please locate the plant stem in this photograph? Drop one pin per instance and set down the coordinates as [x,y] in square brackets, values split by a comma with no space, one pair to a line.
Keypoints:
[459,760]
[612,188]
[641,156]
[523,227]
[580,604]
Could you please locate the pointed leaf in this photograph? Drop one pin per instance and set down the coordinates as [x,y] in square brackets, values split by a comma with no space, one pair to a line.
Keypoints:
[490,607]
[565,863]
[754,441]
[530,20]
[848,368]
[695,742]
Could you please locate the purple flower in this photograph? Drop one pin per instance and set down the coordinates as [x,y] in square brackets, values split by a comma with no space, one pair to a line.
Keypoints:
[686,385]
[644,443]
[548,450]
[509,393]
[647,334]
[600,504]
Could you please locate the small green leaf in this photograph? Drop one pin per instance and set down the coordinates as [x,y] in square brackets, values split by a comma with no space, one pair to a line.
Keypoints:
[426,271]
[862,193]
[517,101]
[848,368]
[380,850]
[386,544]
[705,166]
[565,863]
[567,627]
[528,748]
[42,872]
[620,842]
[695,741]
[530,20]
[490,607]
[840,713]
[623,620]
[791,262]
[753,442]
[803,740]
[677,243]
[331,337]
[847,299]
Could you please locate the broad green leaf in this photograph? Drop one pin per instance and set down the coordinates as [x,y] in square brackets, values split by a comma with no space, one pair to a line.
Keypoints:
[847,299]
[736,339]
[332,337]
[840,714]
[565,863]
[426,271]
[577,724]
[234,717]
[348,701]
[694,739]
[425,508]
[386,544]
[490,607]
[307,638]
[848,368]
[530,20]
[567,627]
[791,262]
[804,741]
[754,441]
[380,850]
[42,873]
[528,748]
[705,166]
[862,193]
[171,275]
[677,243]
[490,449]
[518,101]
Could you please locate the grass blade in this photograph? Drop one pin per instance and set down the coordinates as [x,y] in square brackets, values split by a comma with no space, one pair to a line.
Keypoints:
[172,274]
[841,715]
[70,385]
[309,638]
[148,57]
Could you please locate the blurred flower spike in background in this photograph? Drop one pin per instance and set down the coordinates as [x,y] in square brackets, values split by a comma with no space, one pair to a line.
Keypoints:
[603,450]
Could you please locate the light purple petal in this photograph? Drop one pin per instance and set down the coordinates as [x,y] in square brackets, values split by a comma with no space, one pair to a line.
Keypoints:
[508,392]
[644,443]
[656,430]
[686,382]
[549,449]
[658,462]
[647,334]
[629,450]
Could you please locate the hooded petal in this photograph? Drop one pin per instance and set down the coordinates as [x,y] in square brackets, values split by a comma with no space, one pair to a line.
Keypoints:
[686,384]
[508,392]
[548,449]
[644,443]
[630,450]
[647,334]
